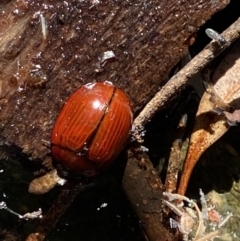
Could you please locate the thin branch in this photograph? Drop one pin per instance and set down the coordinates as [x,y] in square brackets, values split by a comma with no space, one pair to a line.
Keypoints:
[178,81]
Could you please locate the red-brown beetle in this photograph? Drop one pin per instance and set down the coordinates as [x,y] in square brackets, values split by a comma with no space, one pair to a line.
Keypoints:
[92,128]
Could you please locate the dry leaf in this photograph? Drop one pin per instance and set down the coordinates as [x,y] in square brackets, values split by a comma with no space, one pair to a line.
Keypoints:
[232,118]
[209,126]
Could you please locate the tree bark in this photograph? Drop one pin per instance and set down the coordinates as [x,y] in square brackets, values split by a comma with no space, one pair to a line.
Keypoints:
[145,190]
[40,70]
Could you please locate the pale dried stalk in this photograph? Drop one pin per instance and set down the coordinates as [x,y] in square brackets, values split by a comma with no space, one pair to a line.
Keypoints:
[209,236]
[178,81]
[175,196]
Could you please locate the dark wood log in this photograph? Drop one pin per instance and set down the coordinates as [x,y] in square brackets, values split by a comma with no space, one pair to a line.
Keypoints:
[38,72]
[145,190]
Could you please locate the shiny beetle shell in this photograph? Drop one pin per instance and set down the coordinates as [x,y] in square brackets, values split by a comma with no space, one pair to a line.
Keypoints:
[92,128]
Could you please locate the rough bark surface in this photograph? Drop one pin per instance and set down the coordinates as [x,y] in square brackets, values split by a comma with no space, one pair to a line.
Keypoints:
[145,190]
[38,72]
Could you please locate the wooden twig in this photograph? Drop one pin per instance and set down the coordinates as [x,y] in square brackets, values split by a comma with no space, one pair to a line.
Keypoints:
[145,191]
[175,160]
[178,81]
